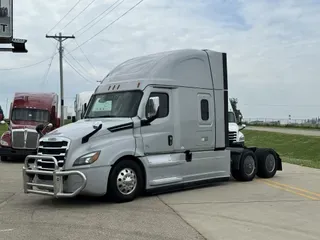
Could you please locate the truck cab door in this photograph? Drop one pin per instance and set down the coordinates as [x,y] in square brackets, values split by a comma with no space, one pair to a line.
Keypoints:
[165,166]
[158,135]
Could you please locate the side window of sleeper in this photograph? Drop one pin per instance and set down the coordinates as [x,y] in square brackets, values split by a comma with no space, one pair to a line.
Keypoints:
[204,106]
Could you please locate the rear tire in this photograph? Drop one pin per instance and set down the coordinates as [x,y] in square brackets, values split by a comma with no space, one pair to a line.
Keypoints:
[247,168]
[267,162]
[125,181]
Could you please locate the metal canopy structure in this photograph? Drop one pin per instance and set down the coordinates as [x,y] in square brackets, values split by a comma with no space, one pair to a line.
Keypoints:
[6,29]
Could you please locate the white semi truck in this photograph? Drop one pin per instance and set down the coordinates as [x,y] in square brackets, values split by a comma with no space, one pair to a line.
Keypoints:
[80,103]
[235,134]
[155,122]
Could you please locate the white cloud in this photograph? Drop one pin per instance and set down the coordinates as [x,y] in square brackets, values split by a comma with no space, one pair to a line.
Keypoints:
[272,46]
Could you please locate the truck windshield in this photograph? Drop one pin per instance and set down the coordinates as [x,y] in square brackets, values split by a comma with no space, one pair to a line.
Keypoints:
[25,114]
[231,117]
[114,104]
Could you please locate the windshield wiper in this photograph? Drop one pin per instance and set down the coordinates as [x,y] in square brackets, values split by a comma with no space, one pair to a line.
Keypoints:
[85,139]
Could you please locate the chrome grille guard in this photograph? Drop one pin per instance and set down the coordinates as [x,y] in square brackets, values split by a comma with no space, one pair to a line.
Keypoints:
[56,189]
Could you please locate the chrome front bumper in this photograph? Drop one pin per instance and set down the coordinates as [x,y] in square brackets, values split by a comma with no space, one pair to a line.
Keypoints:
[57,189]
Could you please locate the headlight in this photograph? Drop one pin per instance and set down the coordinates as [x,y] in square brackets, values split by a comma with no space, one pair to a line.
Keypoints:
[87,159]
[4,143]
[241,138]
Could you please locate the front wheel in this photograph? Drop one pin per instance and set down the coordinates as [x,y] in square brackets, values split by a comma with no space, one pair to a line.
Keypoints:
[125,181]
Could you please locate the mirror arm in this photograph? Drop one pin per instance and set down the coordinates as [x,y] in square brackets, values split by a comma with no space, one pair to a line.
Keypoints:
[144,122]
[151,119]
[147,121]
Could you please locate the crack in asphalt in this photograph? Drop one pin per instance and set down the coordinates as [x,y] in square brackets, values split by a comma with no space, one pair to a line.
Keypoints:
[181,218]
[241,202]
[5,201]
[277,227]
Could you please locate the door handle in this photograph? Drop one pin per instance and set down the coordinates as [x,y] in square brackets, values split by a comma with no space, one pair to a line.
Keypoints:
[170,140]
[188,155]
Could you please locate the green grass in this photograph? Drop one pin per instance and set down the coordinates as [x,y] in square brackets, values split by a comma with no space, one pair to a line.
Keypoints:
[296,126]
[296,149]
[3,128]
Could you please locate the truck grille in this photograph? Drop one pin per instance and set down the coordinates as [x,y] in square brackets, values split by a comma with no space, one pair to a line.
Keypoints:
[232,136]
[25,139]
[57,149]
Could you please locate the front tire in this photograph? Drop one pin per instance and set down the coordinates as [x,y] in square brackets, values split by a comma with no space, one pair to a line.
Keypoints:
[125,181]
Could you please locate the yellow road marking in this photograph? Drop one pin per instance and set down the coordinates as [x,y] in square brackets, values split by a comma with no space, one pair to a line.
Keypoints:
[292,187]
[274,185]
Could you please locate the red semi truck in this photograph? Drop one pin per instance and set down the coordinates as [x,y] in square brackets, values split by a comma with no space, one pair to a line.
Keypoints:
[27,111]
[1,114]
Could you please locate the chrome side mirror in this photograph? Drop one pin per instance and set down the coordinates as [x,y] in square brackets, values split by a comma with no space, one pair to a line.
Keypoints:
[242,127]
[41,127]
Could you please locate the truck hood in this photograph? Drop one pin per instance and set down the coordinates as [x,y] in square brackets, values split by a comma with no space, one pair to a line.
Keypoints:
[81,128]
[233,127]
[23,124]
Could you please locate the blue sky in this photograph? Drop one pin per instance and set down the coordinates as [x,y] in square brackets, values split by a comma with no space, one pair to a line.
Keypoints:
[272,47]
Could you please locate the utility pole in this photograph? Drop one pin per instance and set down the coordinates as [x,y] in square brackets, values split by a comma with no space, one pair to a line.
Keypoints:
[7,101]
[60,39]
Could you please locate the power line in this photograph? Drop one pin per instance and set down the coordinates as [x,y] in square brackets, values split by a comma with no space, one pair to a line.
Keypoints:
[78,14]
[85,56]
[76,60]
[47,72]
[64,16]
[108,25]
[99,16]
[48,69]
[78,72]
[27,66]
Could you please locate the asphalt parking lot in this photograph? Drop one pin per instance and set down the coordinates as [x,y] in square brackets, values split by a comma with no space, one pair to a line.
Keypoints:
[285,207]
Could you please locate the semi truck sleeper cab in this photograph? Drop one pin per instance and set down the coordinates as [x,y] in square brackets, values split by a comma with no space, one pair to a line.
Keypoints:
[155,122]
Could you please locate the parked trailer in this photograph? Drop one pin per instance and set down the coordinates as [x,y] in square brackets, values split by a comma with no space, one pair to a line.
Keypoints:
[155,122]
[80,103]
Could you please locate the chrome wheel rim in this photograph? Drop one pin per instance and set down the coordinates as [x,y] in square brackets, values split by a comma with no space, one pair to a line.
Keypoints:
[126,181]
